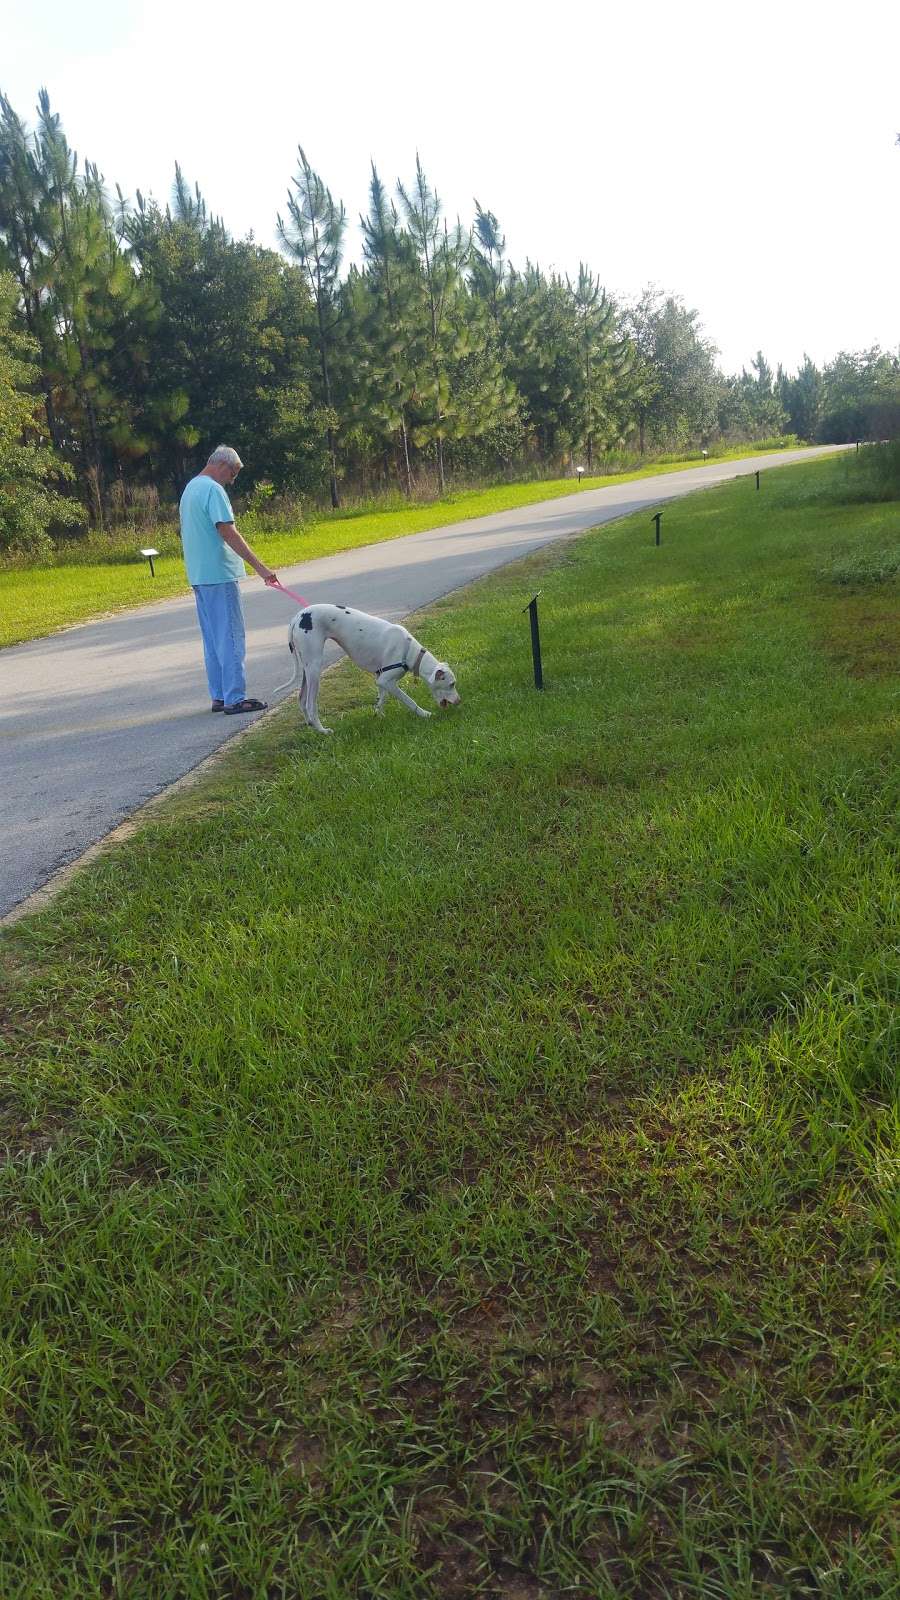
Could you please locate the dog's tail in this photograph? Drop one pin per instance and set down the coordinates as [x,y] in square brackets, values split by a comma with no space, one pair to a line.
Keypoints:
[297,674]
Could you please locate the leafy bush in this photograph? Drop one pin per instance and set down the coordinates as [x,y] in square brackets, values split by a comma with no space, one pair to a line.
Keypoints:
[871,473]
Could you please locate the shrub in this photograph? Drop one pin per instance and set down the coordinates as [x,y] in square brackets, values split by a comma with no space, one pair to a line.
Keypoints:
[873,472]
[863,567]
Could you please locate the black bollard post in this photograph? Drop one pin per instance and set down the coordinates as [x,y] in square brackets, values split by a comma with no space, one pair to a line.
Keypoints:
[757,480]
[531,608]
[657,517]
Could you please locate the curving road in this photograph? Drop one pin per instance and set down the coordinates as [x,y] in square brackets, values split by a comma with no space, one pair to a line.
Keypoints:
[104,716]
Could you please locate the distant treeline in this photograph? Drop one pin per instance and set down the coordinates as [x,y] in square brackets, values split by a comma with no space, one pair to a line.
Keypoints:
[135,338]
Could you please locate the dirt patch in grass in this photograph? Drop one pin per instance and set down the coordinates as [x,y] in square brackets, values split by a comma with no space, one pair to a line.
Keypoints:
[860,632]
[23,1138]
[304,1456]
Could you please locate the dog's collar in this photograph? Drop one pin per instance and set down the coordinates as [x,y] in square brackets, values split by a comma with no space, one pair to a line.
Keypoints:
[403,666]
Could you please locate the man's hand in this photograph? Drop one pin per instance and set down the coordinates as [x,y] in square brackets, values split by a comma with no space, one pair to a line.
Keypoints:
[270,579]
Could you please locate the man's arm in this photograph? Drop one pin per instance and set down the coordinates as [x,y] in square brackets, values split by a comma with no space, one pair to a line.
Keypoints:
[239,545]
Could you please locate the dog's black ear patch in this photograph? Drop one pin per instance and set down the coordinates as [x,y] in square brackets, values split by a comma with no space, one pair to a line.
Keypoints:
[306,622]
[291,646]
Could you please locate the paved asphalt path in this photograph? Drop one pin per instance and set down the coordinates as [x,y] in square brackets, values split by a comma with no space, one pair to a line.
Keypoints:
[100,718]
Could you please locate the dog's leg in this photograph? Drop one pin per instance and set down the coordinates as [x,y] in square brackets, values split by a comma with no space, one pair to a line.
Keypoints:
[301,691]
[385,685]
[405,699]
[311,654]
[313,675]
[301,697]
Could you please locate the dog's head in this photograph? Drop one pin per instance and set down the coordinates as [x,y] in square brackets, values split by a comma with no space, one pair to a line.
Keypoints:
[443,685]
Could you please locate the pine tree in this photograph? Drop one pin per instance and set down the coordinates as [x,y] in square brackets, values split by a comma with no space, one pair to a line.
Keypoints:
[644,376]
[386,294]
[24,241]
[750,406]
[604,358]
[29,501]
[542,357]
[802,398]
[442,256]
[680,386]
[488,261]
[80,297]
[314,237]
[228,357]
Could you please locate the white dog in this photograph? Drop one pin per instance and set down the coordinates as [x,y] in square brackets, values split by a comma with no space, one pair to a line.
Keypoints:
[385,649]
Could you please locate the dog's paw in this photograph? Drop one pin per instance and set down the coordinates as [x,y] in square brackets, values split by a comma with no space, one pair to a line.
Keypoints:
[424,713]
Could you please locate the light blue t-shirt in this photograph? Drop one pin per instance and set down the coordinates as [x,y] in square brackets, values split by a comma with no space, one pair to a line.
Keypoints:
[207,557]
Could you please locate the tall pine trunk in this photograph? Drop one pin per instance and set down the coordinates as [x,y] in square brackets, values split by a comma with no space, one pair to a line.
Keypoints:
[326,385]
[95,472]
[407,470]
[31,303]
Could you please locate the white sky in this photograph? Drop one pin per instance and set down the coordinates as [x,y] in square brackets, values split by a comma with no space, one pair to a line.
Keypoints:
[747,165]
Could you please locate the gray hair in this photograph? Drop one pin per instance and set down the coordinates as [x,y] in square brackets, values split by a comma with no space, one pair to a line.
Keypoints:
[224,456]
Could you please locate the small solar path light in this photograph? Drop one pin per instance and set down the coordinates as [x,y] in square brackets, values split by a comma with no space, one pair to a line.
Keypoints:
[579,473]
[150,554]
[657,518]
[531,608]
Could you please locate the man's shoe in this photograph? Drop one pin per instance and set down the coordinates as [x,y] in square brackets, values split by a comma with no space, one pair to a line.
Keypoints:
[244,705]
[217,705]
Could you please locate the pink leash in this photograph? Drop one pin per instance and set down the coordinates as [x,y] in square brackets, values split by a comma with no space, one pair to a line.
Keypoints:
[298,597]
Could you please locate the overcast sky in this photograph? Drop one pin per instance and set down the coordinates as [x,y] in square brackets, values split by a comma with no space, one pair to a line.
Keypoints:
[750,166]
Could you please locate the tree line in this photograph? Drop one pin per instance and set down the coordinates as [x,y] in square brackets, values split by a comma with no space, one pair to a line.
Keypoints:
[134,337]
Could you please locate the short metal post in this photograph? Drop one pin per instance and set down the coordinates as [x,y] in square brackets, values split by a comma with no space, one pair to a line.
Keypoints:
[657,518]
[757,480]
[531,608]
[150,553]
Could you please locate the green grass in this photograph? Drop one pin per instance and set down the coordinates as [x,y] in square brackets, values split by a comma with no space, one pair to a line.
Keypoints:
[456,1159]
[88,581]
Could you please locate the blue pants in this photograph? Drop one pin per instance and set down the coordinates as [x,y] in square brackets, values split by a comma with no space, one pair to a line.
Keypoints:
[222,628]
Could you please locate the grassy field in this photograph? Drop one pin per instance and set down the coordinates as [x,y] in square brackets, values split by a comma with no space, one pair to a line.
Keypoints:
[89,582]
[458,1159]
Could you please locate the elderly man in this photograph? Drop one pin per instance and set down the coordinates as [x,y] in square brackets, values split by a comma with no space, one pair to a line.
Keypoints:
[214,555]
